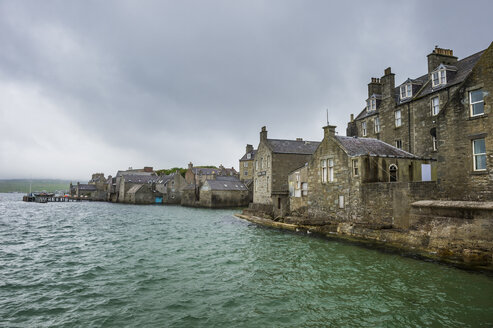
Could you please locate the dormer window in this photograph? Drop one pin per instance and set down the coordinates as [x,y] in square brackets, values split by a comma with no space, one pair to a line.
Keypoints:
[371,104]
[438,78]
[406,91]
[249,156]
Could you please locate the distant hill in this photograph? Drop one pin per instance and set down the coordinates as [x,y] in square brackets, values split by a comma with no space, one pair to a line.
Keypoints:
[22,185]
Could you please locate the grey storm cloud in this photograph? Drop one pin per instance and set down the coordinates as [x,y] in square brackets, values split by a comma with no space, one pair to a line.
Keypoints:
[90,86]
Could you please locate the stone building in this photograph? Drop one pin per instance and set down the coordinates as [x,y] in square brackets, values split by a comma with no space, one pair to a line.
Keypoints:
[171,187]
[406,115]
[274,160]
[198,175]
[115,189]
[443,114]
[341,169]
[246,164]
[132,190]
[95,189]
[298,191]
[223,191]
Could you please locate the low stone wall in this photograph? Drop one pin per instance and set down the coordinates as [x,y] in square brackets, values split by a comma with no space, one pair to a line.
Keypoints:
[264,210]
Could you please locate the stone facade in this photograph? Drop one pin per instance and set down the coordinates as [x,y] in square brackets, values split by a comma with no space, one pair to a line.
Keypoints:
[298,191]
[171,187]
[224,191]
[246,164]
[274,160]
[458,131]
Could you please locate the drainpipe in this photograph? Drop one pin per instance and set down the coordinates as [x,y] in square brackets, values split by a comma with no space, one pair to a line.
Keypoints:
[409,125]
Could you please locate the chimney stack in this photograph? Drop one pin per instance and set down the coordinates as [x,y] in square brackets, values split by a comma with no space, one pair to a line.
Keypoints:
[440,56]
[374,87]
[263,134]
[352,118]
[329,131]
[388,83]
[190,165]
[249,148]
[299,139]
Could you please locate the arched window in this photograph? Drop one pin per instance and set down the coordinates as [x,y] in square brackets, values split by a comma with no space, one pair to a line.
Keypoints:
[393,172]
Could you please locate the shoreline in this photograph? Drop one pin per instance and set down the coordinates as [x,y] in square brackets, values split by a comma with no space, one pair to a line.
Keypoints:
[378,240]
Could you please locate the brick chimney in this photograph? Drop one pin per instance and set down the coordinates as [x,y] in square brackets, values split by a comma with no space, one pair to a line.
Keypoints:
[263,134]
[299,139]
[249,149]
[329,130]
[190,165]
[374,87]
[147,168]
[440,56]
[388,83]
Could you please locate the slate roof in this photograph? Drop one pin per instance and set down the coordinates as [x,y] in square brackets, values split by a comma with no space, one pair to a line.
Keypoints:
[292,146]
[137,178]
[252,153]
[204,170]
[134,189]
[226,185]
[87,187]
[227,178]
[355,146]
[133,172]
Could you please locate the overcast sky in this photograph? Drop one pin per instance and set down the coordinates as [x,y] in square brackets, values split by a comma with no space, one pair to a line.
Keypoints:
[97,86]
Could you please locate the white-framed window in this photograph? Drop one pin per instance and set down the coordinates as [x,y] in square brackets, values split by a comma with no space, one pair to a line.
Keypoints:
[249,156]
[355,167]
[406,91]
[331,170]
[435,105]
[268,161]
[434,142]
[438,78]
[323,165]
[398,120]
[363,128]
[371,104]
[298,181]
[256,184]
[256,165]
[245,164]
[479,154]
[398,144]
[246,172]
[377,124]
[476,102]
[304,188]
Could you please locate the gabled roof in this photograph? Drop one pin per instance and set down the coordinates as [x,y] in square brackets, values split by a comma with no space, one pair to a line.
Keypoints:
[355,146]
[133,172]
[252,155]
[87,187]
[134,189]
[292,146]
[226,185]
[205,170]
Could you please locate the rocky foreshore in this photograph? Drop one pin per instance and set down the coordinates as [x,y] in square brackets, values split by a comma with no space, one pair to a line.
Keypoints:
[466,254]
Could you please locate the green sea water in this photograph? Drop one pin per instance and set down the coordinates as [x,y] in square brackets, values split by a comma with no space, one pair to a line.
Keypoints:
[111,265]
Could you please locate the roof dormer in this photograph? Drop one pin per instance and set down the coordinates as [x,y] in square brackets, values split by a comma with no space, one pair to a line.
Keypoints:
[408,89]
[440,75]
[373,102]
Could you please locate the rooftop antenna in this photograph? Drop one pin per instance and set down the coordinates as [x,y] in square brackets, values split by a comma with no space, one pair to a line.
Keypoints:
[327,111]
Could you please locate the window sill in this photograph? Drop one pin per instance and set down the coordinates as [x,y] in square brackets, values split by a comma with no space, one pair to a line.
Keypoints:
[398,127]
[472,118]
[485,172]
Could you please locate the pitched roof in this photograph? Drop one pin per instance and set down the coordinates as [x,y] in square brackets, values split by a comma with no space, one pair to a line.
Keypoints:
[205,170]
[87,187]
[292,146]
[134,189]
[252,156]
[137,178]
[355,146]
[226,185]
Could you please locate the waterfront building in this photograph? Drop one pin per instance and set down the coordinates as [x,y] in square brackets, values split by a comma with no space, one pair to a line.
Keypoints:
[171,187]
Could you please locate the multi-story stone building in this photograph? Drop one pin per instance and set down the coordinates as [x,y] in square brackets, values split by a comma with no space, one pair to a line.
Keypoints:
[274,160]
[444,114]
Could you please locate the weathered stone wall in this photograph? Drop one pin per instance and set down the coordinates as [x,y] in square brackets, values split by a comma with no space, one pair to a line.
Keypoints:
[223,198]
[298,199]
[188,197]
[456,130]
[262,183]
[246,169]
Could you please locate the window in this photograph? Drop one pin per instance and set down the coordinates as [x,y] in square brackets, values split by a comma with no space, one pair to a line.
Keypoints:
[435,144]
[398,121]
[377,124]
[256,165]
[363,128]
[304,188]
[371,104]
[268,161]
[249,156]
[435,106]
[246,172]
[298,182]
[398,144]
[393,173]
[355,167]
[331,170]
[341,201]
[406,91]
[323,165]
[261,162]
[438,78]
[256,185]
[245,164]
[476,102]
[479,154]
